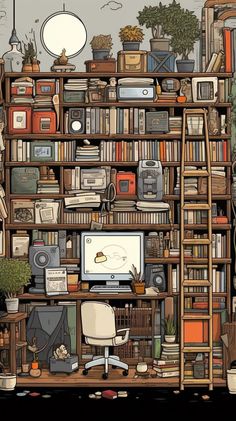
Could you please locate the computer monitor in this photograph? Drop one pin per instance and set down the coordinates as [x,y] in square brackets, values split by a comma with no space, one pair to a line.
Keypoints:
[109,256]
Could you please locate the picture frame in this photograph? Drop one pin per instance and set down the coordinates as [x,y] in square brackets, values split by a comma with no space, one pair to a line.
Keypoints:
[42,151]
[56,281]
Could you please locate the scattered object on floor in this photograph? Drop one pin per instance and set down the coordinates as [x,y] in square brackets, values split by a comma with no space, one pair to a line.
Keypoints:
[98,393]
[176,392]
[205,397]
[92,396]
[46,396]
[196,394]
[21,394]
[79,397]
[122,394]
[109,394]
[34,394]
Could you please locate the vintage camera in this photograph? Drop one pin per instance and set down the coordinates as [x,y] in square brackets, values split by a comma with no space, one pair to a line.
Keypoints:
[76,121]
[41,257]
[155,277]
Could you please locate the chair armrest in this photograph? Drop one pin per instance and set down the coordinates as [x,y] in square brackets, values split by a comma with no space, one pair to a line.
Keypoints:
[123,334]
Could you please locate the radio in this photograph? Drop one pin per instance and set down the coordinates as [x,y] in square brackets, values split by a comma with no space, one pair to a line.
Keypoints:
[150,184]
[19,119]
[125,183]
[146,93]
[155,277]
[157,122]
[45,87]
[93,179]
[44,121]
[76,120]
[130,61]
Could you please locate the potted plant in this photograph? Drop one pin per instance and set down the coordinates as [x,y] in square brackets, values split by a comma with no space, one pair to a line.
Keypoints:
[101,46]
[14,274]
[183,27]
[30,62]
[137,282]
[155,17]
[131,36]
[169,329]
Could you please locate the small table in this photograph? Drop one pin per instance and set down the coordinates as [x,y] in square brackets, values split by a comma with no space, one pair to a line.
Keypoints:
[13,347]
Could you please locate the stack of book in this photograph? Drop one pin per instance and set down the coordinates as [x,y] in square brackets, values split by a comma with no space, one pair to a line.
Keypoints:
[76,85]
[170,351]
[87,153]
[175,125]
[167,97]
[166,368]
[22,84]
[153,206]
[83,200]
[43,100]
[123,206]
[217,361]
[22,99]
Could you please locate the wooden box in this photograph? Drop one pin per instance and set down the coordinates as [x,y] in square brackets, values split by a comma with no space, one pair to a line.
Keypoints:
[105,66]
[132,61]
[218,185]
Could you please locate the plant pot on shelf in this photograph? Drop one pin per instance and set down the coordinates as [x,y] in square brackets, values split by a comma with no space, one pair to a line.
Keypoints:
[139,287]
[27,67]
[185,66]
[7,381]
[159,44]
[131,45]
[35,66]
[12,305]
[101,54]
[170,338]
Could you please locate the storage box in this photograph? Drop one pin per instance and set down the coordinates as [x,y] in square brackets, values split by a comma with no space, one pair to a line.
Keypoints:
[44,121]
[69,365]
[74,96]
[130,61]
[218,185]
[19,120]
[45,87]
[161,61]
[105,66]
[22,90]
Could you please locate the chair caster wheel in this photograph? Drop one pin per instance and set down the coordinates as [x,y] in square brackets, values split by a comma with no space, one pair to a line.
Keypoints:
[125,373]
[85,372]
[113,366]
[105,376]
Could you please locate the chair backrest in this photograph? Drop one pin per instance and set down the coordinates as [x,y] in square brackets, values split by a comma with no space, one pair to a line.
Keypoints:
[98,320]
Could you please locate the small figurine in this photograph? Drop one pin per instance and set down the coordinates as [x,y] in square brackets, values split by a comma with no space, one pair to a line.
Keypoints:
[62,59]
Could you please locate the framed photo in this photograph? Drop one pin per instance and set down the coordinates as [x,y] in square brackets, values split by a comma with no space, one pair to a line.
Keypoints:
[20,245]
[56,281]
[42,151]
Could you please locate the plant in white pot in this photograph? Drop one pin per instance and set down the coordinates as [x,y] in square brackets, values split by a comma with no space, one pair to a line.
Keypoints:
[154,17]
[14,275]
[169,329]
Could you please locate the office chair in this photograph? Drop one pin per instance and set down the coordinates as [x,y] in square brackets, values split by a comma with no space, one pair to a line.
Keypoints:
[99,329]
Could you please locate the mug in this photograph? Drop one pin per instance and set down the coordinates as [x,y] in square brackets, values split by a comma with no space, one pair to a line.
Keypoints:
[141,367]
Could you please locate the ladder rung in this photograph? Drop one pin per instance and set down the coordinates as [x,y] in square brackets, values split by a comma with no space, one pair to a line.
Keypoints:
[196,173]
[196,381]
[196,241]
[196,317]
[196,206]
[196,283]
[195,111]
[197,349]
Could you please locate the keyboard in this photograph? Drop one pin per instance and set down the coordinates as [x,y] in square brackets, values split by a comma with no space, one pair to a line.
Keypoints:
[109,289]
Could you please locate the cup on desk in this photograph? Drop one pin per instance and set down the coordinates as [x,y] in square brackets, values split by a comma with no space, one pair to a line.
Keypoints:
[25,368]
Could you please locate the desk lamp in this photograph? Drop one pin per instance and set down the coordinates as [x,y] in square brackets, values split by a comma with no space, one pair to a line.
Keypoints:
[13,58]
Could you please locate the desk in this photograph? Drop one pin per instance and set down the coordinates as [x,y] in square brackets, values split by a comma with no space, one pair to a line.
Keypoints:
[13,347]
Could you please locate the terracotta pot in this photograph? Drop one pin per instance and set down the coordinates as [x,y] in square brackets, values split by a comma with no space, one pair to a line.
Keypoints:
[139,287]
[35,67]
[27,68]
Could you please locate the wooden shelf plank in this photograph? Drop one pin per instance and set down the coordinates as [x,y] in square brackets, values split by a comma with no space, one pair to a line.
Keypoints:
[19,345]
[110,163]
[91,296]
[122,104]
[71,75]
[13,318]
[63,136]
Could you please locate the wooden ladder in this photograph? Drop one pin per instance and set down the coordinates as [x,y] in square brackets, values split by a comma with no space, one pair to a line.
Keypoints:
[207,242]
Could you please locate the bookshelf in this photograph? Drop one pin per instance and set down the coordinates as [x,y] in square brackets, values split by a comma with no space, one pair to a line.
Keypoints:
[165,147]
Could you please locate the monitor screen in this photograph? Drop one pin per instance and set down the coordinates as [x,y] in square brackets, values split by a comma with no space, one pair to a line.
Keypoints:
[109,255]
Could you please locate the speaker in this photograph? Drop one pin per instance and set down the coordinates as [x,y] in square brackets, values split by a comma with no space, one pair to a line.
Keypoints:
[155,277]
[41,257]
[76,120]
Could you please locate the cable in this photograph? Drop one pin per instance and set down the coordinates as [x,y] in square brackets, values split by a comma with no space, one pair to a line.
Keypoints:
[110,195]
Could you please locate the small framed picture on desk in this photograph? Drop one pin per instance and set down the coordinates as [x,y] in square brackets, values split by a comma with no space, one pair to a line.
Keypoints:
[56,281]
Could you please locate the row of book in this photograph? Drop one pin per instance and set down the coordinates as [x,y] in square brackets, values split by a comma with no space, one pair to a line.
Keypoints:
[191,272]
[156,243]
[202,303]
[116,217]
[116,151]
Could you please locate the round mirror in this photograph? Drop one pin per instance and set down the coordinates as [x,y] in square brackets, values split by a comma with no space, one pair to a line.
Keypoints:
[63,30]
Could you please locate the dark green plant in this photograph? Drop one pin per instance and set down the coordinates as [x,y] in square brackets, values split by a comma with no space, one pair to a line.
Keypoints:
[184,28]
[29,53]
[169,326]
[135,275]
[14,274]
[154,17]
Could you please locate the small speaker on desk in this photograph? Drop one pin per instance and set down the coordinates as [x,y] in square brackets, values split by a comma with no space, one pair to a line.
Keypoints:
[155,277]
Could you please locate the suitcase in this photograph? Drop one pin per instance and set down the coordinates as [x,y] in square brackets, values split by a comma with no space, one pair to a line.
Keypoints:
[44,121]
[130,61]
[105,66]
[19,120]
